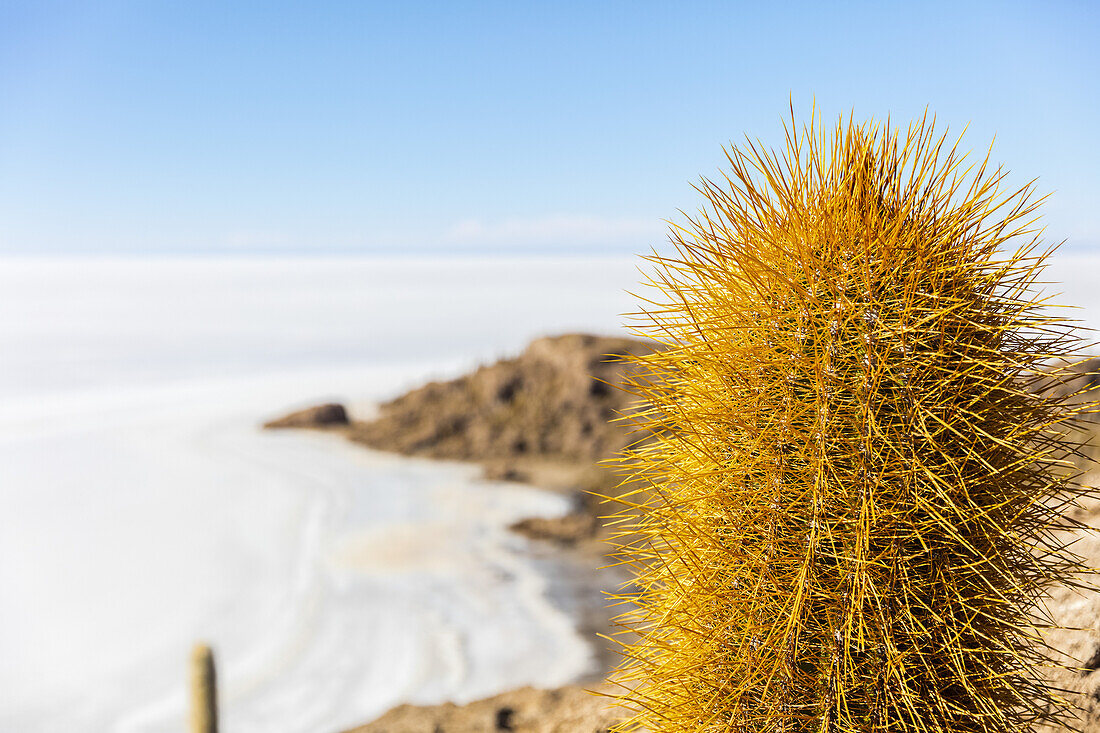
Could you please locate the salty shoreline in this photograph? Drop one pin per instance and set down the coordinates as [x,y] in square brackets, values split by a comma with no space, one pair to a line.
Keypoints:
[308,622]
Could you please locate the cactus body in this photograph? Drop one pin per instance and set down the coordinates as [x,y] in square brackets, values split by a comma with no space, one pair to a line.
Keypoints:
[853,495]
[204,691]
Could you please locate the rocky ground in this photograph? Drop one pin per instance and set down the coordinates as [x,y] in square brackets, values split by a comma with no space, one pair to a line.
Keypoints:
[1075,643]
[564,710]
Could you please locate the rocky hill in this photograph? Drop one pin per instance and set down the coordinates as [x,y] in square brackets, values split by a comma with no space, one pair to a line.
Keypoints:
[557,400]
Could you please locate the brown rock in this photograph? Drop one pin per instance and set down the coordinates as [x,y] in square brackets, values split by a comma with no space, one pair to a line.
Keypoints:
[321,416]
[567,530]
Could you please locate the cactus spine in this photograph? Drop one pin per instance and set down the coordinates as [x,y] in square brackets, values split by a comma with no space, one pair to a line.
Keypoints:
[204,691]
[853,495]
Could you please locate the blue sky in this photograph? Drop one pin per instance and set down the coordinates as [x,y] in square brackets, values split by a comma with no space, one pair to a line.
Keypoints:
[397,128]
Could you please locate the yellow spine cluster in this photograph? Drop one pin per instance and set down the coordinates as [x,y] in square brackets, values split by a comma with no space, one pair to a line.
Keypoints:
[852,498]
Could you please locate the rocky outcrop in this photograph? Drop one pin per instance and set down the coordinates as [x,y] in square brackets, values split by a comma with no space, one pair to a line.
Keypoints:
[321,416]
[566,530]
[558,399]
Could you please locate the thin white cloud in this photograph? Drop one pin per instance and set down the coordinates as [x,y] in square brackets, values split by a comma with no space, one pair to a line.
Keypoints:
[257,239]
[559,229]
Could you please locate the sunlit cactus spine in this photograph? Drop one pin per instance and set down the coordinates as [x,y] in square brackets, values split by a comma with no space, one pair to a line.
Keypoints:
[853,500]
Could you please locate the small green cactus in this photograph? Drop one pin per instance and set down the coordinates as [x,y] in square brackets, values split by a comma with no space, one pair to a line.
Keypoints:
[854,491]
[204,691]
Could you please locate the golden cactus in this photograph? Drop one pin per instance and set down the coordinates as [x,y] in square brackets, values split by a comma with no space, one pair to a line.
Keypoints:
[204,690]
[854,492]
